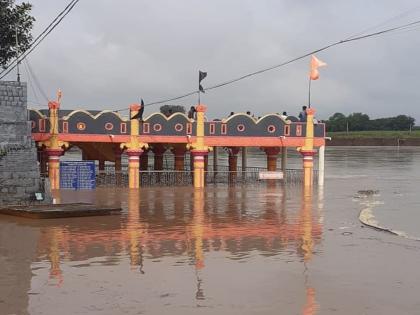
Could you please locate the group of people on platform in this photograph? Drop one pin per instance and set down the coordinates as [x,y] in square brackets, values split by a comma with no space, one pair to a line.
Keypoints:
[192,114]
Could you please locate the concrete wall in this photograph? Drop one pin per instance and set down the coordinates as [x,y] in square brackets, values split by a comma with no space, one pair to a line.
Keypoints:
[19,172]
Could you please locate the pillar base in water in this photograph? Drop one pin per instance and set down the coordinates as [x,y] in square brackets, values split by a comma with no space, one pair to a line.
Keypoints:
[133,168]
[308,166]
[54,167]
[199,174]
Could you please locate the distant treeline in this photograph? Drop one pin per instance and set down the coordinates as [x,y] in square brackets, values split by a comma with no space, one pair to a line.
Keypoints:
[362,122]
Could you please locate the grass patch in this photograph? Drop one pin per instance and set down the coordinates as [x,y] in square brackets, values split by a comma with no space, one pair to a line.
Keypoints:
[390,134]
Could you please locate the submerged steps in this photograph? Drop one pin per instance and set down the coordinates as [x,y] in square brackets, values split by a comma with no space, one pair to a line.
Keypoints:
[52,211]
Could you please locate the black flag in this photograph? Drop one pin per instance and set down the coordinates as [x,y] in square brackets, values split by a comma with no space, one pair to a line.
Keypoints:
[139,115]
[201,76]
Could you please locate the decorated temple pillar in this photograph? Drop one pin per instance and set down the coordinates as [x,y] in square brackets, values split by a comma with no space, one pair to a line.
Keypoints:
[134,168]
[54,167]
[272,154]
[199,172]
[134,149]
[54,146]
[307,150]
[198,149]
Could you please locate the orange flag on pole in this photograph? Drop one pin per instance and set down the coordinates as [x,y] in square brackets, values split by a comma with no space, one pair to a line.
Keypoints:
[315,64]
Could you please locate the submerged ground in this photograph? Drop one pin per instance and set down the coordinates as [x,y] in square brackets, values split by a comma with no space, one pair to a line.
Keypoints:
[256,249]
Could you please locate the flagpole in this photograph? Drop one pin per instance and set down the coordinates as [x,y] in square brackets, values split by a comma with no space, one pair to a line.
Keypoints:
[309,93]
[199,87]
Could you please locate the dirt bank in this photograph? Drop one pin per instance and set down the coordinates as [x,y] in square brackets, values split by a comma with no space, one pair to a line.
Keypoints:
[373,142]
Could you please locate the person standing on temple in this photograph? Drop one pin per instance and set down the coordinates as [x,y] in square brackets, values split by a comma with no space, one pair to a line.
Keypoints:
[192,113]
[284,115]
[302,114]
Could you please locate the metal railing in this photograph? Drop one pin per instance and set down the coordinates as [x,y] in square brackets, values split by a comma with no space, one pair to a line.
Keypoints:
[185,178]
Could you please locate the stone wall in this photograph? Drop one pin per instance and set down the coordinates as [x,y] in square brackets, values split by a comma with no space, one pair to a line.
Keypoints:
[19,172]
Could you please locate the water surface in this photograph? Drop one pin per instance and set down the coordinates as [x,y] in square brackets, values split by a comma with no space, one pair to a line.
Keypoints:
[255,249]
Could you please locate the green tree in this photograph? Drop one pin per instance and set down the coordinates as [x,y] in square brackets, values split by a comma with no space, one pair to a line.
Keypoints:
[14,18]
[358,121]
[336,122]
[168,110]
[403,122]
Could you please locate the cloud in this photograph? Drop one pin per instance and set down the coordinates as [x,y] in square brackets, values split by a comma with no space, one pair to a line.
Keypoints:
[106,54]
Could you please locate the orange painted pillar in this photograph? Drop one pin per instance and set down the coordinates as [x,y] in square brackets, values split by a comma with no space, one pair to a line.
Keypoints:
[54,167]
[179,157]
[199,174]
[101,166]
[158,151]
[134,168]
[272,154]
[233,159]
[308,165]
[233,162]
[134,149]
[117,166]
[199,148]
[144,161]
[307,151]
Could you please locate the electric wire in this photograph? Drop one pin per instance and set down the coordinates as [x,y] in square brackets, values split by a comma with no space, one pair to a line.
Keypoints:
[387,21]
[340,42]
[39,38]
[30,82]
[36,81]
[70,6]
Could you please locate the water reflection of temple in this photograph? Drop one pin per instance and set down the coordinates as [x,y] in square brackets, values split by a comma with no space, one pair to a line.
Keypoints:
[167,222]
[188,225]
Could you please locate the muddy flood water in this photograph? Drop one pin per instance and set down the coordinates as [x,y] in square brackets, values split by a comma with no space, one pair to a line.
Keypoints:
[254,249]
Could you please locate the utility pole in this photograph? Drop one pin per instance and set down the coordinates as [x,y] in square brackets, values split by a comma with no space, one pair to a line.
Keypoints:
[17,54]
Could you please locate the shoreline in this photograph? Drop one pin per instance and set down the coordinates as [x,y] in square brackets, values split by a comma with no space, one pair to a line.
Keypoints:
[395,142]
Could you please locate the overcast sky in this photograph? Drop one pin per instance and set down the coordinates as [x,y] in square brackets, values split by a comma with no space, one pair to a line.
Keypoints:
[107,54]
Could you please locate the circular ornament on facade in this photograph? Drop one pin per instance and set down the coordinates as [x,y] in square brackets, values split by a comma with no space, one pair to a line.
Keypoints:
[157,127]
[81,126]
[240,127]
[179,127]
[109,126]
[271,128]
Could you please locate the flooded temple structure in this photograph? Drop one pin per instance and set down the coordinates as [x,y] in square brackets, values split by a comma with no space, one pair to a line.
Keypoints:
[105,136]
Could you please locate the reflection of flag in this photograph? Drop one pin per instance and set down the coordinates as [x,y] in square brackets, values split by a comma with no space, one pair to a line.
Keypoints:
[201,76]
[315,64]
